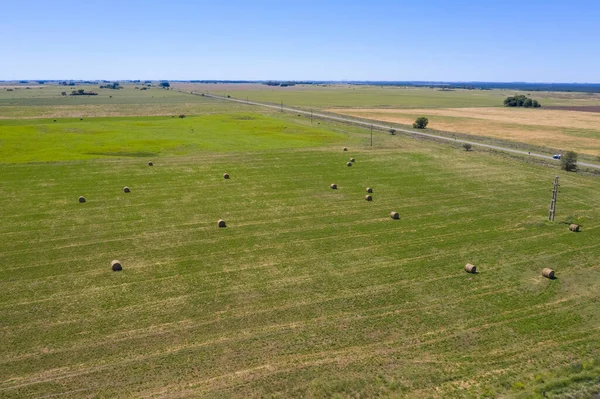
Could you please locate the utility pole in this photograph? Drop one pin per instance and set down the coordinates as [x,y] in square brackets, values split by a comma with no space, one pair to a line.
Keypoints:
[371,135]
[553,202]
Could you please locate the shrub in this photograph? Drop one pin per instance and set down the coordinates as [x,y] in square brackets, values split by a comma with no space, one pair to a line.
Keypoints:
[182,116]
[568,162]
[393,131]
[467,146]
[421,123]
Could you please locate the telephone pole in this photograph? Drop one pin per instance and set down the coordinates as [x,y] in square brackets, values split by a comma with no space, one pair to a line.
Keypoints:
[553,202]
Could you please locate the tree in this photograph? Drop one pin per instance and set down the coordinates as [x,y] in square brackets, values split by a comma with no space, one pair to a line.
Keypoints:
[164,84]
[467,146]
[521,101]
[421,123]
[393,131]
[64,93]
[568,161]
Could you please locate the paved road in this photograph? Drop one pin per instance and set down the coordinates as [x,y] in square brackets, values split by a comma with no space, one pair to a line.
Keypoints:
[384,127]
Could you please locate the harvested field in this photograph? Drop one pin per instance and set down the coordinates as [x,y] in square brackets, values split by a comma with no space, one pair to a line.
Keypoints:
[309,292]
[582,108]
[565,130]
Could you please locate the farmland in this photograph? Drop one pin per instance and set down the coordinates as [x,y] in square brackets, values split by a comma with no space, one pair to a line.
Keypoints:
[48,102]
[346,96]
[572,130]
[308,291]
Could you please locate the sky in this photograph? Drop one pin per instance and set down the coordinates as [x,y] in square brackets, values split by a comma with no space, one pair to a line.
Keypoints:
[424,40]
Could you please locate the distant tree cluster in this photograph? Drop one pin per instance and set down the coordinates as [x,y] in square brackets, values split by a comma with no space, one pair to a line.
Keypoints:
[82,92]
[280,84]
[164,85]
[65,83]
[114,86]
[521,101]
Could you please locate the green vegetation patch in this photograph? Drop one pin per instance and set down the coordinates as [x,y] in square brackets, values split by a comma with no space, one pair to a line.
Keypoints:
[44,140]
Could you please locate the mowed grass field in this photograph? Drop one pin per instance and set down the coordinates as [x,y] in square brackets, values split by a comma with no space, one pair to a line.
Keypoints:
[558,129]
[309,292]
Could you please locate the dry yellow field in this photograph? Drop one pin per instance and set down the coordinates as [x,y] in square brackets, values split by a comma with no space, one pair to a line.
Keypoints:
[560,129]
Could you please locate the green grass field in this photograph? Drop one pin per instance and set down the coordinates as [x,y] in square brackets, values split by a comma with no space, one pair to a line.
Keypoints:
[341,96]
[43,140]
[309,292]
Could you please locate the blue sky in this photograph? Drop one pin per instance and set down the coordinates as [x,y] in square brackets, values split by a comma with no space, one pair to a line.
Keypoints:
[485,40]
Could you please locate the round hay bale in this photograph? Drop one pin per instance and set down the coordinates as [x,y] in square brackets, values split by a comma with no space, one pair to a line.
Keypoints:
[126,189]
[333,186]
[548,273]
[469,268]
[351,159]
[369,190]
[395,215]
[574,227]
[115,265]
[82,199]
[368,198]
[221,223]
[345,149]
[150,163]
[226,176]
[349,164]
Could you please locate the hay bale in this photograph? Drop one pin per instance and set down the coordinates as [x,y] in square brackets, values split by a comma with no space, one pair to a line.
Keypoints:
[115,265]
[368,198]
[351,159]
[469,268]
[150,163]
[221,223]
[226,176]
[345,149]
[369,190]
[395,215]
[349,164]
[548,273]
[333,186]
[574,227]
[82,199]
[126,189]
